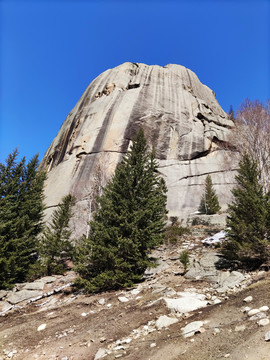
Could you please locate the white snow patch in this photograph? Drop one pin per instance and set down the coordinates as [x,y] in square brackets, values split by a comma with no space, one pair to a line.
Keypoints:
[215,239]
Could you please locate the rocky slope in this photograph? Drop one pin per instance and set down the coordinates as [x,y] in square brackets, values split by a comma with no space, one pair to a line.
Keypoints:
[210,313]
[181,118]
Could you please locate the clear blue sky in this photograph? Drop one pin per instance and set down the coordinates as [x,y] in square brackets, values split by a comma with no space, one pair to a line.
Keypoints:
[51,50]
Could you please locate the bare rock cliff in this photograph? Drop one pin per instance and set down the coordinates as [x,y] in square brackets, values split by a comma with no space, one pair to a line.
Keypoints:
[181,118]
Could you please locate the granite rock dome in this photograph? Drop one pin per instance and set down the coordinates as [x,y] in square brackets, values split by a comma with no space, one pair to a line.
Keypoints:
[181,118]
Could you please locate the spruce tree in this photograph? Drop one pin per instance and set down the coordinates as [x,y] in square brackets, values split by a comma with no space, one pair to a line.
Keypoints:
[21,214]
[248,237]
[55,243]
[128,223]
[209,202]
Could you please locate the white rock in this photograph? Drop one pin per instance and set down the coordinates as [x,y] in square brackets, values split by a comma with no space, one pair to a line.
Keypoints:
[248,299]
[264,308]
[185,304]
[165,321]
[240,328]
[123,299]
[253,312]
[119,347]
[83,314]
[101,301]
[101,353]
[246,309]
[267,336]
[153,345]
[258,316]
[191,328]
[217,301]
[263,322]
[41,327]
[135,292]
[127,341]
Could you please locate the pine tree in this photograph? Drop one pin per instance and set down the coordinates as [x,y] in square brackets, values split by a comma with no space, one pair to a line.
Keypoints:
[248,237]
[209,202]
[21,214]
[55,243]
[128,223]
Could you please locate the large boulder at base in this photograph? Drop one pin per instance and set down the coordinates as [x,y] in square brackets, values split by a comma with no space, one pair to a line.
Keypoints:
[181,118]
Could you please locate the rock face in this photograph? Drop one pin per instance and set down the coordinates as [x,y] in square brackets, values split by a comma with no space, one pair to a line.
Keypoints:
[181,118]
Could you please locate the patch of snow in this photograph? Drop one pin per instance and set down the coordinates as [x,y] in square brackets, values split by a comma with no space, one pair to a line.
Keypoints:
[215,239]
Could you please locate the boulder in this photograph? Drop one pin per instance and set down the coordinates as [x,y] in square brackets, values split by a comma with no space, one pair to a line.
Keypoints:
[19,296]
[3,293]
[4,306]
[165,321]
[204,267]
[36,285]
[186,303]
[192,328]
[181,119]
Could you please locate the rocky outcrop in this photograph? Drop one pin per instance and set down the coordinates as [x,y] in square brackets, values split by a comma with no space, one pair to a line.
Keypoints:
[181,118]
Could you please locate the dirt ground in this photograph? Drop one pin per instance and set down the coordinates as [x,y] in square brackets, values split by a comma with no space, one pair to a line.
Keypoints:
[78,328]
[70,326]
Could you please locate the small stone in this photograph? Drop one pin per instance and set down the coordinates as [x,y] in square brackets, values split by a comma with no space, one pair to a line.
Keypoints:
[263,322]
[217,301]
[227,355]
[102,339]
[253,312]
[153,345]
[246,309]
[123,299]
[192,328]
[119,347]
[267,336]
[126,341]
[83,314]
[135,292]
[101,301]
[264,308]
[248,299]
[240,328]
[259,315]
[41,327]
[101,353]
[109,305]
[216,330]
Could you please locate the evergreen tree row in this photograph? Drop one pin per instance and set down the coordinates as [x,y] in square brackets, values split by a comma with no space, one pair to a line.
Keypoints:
[21,215]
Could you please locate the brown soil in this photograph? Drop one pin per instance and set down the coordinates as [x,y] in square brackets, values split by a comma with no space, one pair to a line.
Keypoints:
[73,336]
